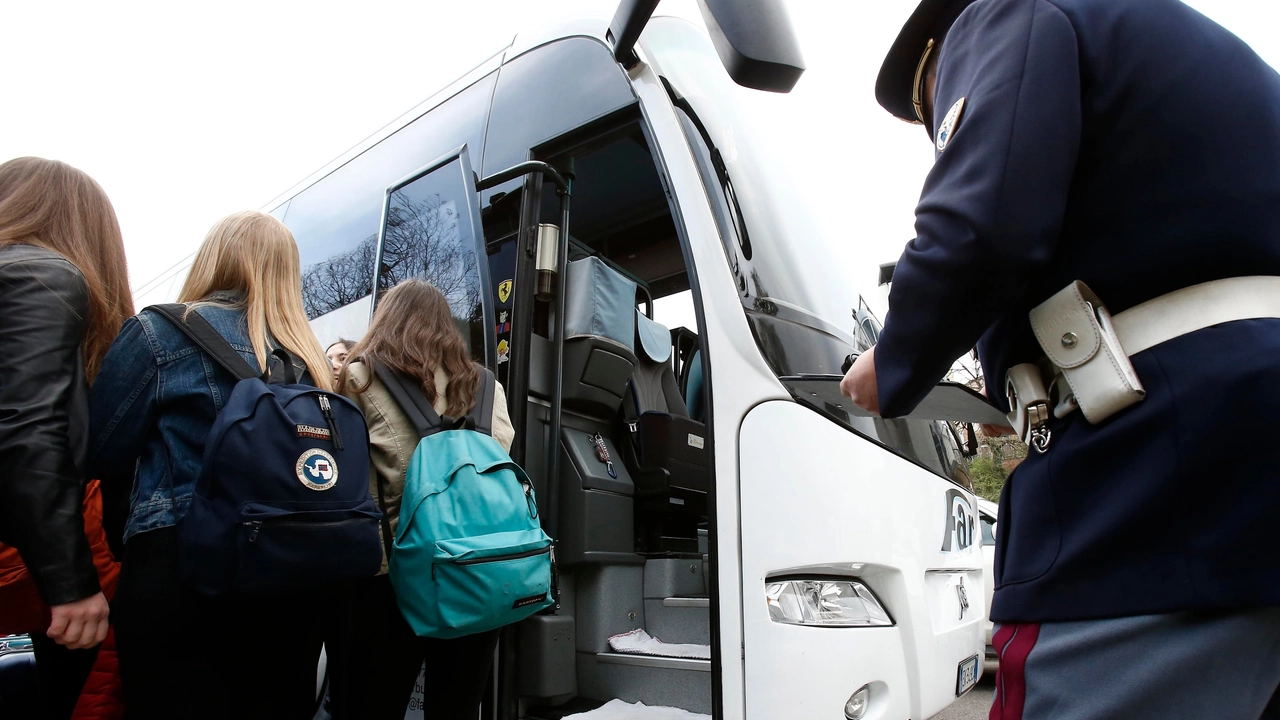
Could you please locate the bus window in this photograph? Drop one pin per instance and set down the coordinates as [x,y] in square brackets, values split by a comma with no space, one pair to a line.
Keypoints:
[675,311]
[335,221]
[432,232]
[542,92]
[280,211]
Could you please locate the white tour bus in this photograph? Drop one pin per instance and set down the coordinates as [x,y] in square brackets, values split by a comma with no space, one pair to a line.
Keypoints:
[804,560]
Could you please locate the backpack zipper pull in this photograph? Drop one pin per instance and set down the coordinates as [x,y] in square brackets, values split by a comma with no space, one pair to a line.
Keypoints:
[327,410]
[555,581]
[528,498]
[253,534]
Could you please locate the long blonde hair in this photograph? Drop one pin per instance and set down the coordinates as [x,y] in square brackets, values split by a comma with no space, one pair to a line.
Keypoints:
[52,205]
[254,254]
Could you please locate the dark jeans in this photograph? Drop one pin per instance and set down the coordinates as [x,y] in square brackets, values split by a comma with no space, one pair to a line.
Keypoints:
[60,676]
[375,660]
[186,655]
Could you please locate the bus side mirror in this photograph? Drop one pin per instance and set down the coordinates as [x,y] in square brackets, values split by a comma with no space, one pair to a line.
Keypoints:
[754,39]
[755,42]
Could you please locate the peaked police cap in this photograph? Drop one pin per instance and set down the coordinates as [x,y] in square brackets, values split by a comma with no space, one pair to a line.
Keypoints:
[930,21]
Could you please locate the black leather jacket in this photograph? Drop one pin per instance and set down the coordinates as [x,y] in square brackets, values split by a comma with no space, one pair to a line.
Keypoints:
[44,408]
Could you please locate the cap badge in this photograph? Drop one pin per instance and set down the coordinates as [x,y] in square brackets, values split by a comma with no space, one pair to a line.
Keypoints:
[950,124]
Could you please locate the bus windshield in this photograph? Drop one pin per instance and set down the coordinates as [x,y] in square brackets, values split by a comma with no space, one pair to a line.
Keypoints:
[805,313]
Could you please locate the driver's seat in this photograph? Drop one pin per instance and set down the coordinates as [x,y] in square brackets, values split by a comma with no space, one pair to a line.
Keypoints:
[668,449]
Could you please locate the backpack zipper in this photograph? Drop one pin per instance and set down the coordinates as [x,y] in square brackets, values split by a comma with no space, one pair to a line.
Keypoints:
[256,525]
[327,411]
[500,558]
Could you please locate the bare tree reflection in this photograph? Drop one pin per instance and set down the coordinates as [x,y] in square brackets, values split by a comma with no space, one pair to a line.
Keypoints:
[340,280]
[422,240]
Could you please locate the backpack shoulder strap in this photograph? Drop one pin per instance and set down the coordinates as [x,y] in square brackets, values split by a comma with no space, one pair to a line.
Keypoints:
[426,421]
[194,326]
[481,415]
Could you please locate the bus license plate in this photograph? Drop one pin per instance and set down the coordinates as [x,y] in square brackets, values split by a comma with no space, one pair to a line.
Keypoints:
[966,675]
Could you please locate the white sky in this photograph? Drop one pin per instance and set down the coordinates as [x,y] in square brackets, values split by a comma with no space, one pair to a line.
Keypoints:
[185,112]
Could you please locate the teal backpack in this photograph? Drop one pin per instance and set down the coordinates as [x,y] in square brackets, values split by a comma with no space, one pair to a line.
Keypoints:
[469,553]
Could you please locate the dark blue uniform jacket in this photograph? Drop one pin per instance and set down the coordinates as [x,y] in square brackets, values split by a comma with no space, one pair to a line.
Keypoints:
[1134,145]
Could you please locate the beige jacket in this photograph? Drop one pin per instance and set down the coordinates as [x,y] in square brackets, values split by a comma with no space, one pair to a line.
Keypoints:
[392,438]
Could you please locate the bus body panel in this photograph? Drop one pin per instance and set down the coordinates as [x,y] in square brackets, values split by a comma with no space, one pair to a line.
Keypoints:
[816,495]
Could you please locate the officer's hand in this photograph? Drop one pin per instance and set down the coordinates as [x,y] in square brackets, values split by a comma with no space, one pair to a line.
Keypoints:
[859,384]
[80,624]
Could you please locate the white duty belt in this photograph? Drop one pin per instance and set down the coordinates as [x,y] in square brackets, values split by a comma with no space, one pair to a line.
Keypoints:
[1089,350]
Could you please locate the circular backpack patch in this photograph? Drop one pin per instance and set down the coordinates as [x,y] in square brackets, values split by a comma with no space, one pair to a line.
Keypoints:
[317,469]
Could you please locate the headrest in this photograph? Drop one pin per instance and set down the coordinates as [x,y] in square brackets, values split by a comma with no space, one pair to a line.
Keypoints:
[599,302]
[653,339]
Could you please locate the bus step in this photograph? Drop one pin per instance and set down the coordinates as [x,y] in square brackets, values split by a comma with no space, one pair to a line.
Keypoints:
[671,682]
[679,619]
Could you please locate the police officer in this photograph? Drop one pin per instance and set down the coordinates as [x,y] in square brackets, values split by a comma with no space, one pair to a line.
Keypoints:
[1133,145]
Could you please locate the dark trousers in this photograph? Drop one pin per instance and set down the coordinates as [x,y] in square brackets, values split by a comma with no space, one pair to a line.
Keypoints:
[60,676]
[374,661]
[186,655]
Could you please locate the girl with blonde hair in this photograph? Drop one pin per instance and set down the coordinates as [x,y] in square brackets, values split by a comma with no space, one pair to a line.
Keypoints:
[151,411]
[64,294]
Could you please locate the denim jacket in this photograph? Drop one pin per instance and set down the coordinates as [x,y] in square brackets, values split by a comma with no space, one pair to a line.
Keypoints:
[151,409]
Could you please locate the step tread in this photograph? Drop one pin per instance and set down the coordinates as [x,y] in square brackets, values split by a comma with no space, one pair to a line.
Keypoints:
[686,602]
[655,661]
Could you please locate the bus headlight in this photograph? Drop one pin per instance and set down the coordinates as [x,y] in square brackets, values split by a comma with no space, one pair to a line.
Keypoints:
[856,707]
[824,603]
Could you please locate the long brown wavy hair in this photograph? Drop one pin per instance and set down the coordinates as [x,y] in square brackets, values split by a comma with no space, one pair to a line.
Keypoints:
[52,205]
[413,333]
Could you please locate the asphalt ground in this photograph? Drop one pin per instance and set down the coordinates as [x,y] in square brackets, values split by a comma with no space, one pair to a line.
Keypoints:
[976,704]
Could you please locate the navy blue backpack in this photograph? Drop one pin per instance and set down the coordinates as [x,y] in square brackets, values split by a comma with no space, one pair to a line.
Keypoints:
[283,500]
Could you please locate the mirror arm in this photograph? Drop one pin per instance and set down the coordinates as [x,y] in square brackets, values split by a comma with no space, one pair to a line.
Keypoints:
[625,28]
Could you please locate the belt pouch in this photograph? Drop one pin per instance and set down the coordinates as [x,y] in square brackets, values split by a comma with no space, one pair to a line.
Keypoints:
[1028,400]
[1074,329]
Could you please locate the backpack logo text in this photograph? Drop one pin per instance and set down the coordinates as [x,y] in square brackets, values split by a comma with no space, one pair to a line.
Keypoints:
[313,432]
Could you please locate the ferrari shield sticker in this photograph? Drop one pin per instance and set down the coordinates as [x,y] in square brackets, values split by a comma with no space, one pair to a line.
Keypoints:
[504,291]
[317,469]
[950,124]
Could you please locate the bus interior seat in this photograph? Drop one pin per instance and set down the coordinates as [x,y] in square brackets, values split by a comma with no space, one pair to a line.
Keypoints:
[596,512]
[667,452]
[599,325]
